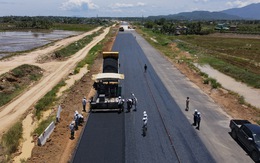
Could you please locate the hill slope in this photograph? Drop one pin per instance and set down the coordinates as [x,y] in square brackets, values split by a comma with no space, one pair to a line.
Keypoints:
[251,11]
[198,15]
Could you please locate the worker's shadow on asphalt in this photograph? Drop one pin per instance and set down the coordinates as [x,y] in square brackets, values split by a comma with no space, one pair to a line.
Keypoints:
[241,145]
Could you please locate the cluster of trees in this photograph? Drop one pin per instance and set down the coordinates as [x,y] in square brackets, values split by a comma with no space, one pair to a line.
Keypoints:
[170,27]
[34,23]
[46,22]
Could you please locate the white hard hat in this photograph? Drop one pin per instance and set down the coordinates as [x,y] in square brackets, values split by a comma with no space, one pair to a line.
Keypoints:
[199,113]
[196,110]
[144,112]
[119,96]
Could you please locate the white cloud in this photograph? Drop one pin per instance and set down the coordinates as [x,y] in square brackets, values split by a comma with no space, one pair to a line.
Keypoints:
[122,5]
[241,3]
[79,5]
[140,4]
[196,1]
[126,5]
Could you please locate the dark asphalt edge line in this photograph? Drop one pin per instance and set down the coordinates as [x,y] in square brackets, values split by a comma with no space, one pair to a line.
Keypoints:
[167,132]
[81,134]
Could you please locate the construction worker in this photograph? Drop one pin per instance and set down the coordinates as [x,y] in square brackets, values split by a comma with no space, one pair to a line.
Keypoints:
[198,120]
[72,130]
[76,119]
[134,99]
[120,102]
[129,104]
[145,119]
[195,117]
[81,118]
[145,67]
[84,103]
[187,103]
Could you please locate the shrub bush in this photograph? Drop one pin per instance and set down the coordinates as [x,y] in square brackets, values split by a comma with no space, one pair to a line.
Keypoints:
[10,140]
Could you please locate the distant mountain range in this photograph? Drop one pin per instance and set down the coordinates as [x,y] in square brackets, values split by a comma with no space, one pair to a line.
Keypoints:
[251,11]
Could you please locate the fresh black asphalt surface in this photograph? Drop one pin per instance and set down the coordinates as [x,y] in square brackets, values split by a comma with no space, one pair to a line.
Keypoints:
[170,136]
[112,137]
[102,139]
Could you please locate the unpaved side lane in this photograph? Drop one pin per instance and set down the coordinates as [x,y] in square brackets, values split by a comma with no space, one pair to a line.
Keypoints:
[13,111]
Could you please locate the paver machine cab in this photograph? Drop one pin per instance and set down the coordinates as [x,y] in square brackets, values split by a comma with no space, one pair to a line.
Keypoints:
[107,85]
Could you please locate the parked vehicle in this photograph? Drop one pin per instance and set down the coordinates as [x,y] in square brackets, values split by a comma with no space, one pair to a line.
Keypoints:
[248,134]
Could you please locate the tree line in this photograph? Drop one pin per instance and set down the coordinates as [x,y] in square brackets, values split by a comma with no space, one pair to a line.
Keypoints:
[177,27]
[44,22]
[171,27]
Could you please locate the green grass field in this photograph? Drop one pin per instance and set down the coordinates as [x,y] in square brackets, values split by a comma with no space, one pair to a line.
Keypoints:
[237,57]
[242,52]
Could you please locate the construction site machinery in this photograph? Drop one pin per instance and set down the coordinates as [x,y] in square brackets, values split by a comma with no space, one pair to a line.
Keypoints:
[107,85]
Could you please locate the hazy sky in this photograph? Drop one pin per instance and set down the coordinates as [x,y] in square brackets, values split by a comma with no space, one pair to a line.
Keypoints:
[113,8]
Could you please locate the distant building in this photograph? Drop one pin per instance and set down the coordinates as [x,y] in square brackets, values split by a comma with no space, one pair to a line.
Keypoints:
[233,28]
[180,30]
[221,27]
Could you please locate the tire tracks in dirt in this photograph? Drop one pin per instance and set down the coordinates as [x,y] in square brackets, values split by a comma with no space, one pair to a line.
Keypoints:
[10,113]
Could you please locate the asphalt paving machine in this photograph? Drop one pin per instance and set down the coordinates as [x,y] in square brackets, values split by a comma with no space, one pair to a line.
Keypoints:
[107,85]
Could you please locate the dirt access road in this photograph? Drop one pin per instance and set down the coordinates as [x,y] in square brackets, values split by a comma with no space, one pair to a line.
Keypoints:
[54,72]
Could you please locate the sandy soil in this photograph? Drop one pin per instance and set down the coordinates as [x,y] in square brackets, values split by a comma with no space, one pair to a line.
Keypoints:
[54,73]
[59,147]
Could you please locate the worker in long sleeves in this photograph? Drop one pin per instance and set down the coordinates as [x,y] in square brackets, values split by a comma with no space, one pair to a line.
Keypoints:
[134,99]
[187,103]
[198,120]
[145,119]
[84,103]
[72,130]
[195,117]
[76,119]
